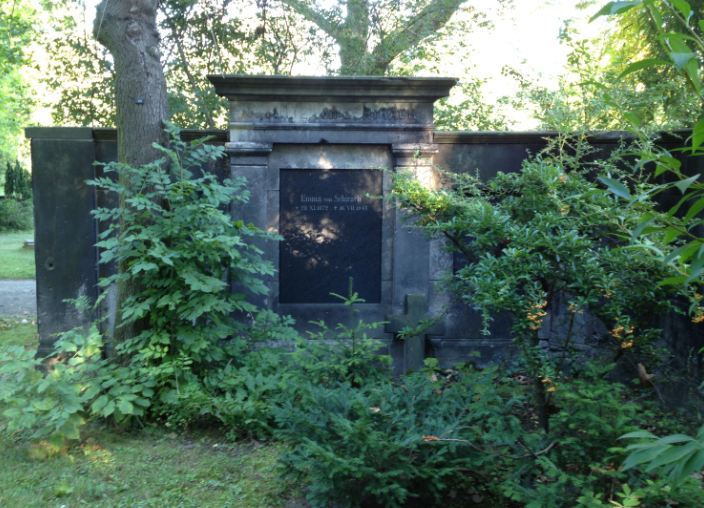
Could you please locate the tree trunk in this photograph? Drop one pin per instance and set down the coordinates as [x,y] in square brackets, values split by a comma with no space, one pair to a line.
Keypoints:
[352,39]
[354,34]
[127,28]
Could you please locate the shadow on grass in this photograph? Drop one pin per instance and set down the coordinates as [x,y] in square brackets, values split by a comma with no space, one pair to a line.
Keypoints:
[151,469]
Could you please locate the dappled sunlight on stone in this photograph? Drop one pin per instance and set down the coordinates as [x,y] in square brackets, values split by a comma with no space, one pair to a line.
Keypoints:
[324,163]
[427,176]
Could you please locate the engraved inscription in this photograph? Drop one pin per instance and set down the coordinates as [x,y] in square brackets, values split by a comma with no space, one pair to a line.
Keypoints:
[331,224]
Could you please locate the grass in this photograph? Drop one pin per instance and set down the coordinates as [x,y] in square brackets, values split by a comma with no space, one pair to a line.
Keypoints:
[16,262]
[18,332]
[154,467]
[149,469]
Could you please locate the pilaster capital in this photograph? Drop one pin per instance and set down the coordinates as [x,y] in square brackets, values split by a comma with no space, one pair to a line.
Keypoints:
[248,148]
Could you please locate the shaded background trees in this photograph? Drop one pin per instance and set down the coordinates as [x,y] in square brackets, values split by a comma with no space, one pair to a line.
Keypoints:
[200,37]
[15,33]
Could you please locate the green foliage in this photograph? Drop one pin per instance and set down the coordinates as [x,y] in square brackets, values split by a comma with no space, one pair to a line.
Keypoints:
[181,250]
[239,395]
[82,76]
[246,395]
[528,236]
[465,438]
[198,38]
[577,463]
[18,182]
[677,44]
[16,32]
[411,443]
[592,412]
[348,353]
[15,215]
[470,112]
[242,399]
[370,34]
[53,398]
[588,414]
[601,90]
[676,456]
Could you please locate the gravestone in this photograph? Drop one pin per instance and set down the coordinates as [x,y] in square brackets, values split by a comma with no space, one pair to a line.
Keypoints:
[311,150]
[331,222]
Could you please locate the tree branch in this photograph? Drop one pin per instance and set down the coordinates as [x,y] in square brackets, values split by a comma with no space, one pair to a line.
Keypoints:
[318,18]
[428,21]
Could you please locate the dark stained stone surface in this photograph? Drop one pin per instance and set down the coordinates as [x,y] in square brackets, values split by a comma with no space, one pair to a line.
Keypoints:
[331,223]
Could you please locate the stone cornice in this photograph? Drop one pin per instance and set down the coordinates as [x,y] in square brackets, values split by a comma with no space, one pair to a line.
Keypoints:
[332,88]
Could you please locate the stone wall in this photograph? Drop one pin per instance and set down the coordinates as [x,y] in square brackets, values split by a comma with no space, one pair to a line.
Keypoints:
[410,264]
[63,159]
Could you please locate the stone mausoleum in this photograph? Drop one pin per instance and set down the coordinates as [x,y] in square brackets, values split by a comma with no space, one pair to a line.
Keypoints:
[318,154]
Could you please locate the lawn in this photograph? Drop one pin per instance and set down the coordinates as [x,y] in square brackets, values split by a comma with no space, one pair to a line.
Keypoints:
[16,262]
[153,467]
[18,332]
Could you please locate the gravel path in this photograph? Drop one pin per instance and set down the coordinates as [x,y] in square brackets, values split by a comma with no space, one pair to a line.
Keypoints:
[18,298]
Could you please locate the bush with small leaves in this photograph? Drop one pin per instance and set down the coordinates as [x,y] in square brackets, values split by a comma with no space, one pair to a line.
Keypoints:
[414,442]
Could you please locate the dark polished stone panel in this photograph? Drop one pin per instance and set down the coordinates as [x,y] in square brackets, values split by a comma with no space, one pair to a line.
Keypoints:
[331,224]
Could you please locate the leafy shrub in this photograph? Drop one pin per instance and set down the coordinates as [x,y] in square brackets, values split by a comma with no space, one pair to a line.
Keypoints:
[247,394]
[244,398]
[588,414]
[347,353]
[673,28]
[179,251]
[15,215]
[677,455]
[177,247]
[54,397]
[411,443]
[530,237]
[578,462]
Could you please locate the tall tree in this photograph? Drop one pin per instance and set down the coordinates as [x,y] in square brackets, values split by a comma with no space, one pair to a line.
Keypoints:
[198,37]
[127,28]
[372,33]
[16,32]
[669,102]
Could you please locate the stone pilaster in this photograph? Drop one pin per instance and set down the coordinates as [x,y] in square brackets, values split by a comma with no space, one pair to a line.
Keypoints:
[250,161]
[419,263]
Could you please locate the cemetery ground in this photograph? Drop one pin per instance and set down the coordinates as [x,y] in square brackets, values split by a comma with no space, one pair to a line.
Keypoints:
[16,262]
[149,467]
